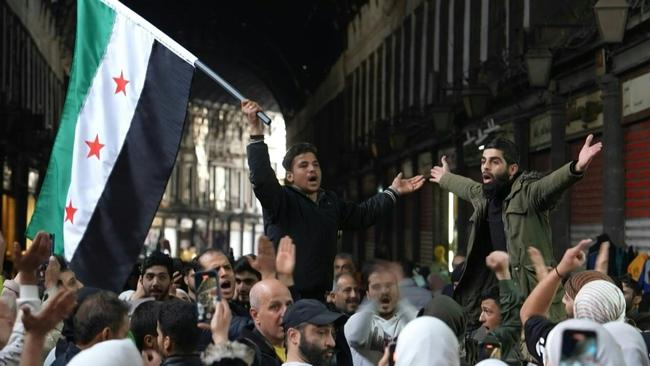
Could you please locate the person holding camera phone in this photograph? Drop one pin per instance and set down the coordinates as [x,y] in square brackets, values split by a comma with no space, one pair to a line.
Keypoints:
[599,300]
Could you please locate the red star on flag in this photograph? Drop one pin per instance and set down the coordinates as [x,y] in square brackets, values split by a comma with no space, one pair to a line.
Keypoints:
[94,146]
[69,213]
[121,83]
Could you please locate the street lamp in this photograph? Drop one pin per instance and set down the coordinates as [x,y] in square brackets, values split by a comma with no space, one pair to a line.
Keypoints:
[611,16]
[475,100]
[539,62]
[443,117]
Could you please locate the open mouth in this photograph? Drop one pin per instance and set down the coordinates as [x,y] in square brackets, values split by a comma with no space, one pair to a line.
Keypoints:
[313,178]
[487,178]
[225,285]
[385,300]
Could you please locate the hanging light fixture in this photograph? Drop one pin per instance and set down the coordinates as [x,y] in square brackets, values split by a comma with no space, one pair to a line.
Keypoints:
[475,100]
[539,62]
[611,16]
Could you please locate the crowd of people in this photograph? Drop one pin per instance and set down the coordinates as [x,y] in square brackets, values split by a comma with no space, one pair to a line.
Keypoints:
[296,301]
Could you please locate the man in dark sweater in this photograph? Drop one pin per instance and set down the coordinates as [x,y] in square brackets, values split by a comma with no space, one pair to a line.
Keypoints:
[307,213]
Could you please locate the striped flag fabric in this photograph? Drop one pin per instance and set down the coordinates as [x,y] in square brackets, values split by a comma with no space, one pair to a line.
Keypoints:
[117,142]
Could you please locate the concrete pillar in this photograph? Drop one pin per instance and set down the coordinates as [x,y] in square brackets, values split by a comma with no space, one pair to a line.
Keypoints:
[614,175]
[561,216]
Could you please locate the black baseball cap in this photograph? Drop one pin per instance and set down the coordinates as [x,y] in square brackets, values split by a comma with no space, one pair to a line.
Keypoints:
[310,311]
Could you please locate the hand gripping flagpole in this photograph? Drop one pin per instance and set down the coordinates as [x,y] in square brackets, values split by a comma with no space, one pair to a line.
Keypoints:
[229,88]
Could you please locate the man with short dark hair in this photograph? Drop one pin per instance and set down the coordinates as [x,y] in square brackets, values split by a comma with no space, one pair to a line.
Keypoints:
[511,212]
[156,276]
[213,259]
[344,262]
[100,317]
[188,278]
[144,323]
[178,335]
[310,333]
[304,211]
[245,277]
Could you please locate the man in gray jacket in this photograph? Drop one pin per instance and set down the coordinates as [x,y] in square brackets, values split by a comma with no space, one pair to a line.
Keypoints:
[380,320]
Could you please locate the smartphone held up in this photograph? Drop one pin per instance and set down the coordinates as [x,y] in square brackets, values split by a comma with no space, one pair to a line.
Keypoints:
[208,294]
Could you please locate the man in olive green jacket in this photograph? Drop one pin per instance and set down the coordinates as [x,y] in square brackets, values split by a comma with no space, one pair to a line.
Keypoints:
[511,213]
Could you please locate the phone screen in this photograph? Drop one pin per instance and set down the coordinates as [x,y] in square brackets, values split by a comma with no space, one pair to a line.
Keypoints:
[579,347]
[208,294]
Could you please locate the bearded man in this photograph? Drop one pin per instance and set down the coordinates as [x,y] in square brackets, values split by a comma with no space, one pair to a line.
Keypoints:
[511,213]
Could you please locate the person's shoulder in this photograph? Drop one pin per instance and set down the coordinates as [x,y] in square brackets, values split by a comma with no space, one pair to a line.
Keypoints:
[530,176]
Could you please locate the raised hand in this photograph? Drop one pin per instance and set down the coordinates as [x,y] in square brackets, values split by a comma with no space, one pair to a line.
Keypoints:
[57,309]
[265,262]
[574,258]
[602,260]
[250,109]
[285,261]
[52,273]
[36,254]
[537,260]
[220,322]
[587,154]
[438,171]
[176,283]
[406,186]
[499,262]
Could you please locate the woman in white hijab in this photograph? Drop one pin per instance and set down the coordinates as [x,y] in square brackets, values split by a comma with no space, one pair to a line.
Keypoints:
[631,341]
[427,341]
[491,362]
[600,301]
[608,352]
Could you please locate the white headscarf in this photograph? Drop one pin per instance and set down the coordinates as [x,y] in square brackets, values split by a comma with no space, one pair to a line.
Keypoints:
[491,362]
[608,351]
[635,351]
[109,353]
[600,301]
[427,341]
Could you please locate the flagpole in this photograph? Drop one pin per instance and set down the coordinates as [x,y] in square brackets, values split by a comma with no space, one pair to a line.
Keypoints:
[229,88]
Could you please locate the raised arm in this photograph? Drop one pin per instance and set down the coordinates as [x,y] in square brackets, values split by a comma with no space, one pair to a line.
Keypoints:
[540,299]
[361,215]
[545,192]
[265,183]
[463,187]
[508,333]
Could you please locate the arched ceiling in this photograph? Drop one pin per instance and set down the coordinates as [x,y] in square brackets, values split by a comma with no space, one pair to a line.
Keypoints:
[276,52]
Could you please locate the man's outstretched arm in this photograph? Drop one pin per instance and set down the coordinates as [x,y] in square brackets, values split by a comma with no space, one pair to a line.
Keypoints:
[366,213]
[265,183]
[546,191]
[463,187]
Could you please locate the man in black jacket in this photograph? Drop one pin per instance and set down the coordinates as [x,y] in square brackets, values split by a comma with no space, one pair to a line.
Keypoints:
[269,300]
[307,213]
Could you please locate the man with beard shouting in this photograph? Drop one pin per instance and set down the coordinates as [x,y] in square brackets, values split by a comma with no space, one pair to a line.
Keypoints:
[511,213]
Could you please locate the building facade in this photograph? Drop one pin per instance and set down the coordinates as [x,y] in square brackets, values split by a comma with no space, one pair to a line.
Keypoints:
[426,78]
[209,201]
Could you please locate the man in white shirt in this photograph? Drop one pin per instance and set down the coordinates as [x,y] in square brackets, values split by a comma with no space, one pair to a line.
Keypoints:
[310,332]
[380,319]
